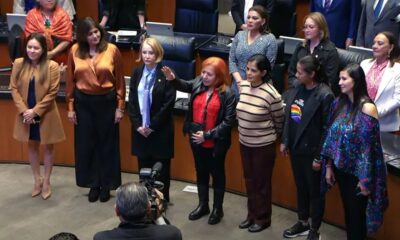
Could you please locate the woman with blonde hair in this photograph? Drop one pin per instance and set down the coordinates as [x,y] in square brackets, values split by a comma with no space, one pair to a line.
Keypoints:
[318,45]
[151,103]
[208,122]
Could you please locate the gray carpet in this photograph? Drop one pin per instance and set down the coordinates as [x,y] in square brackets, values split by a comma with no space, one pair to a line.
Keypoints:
[23,217]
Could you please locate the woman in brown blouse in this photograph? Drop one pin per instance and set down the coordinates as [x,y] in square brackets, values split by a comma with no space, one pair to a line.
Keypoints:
[96,102]
[34,84]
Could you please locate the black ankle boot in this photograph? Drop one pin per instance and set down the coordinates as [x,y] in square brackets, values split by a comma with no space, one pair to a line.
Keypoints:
[104,194]
[200,211]
[215,216]
[94,194]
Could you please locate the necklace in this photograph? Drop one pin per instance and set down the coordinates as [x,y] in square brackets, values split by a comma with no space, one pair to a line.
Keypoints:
[47,21]
[378,72]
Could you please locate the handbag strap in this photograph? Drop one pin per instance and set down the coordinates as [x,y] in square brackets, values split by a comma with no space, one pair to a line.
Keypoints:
[206,107]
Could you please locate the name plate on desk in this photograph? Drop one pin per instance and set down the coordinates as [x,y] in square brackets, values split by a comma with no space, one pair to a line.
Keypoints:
[291,43]
[124,35]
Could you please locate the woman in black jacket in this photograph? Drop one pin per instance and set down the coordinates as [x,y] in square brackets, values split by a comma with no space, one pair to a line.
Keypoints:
[318,45]
[306,112]
[151,101]
[209,121]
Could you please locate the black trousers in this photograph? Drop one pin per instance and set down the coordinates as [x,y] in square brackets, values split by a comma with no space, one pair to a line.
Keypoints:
[207,164]
[165,173]
[97,156]
[258,164]
[355,206]
[310,202]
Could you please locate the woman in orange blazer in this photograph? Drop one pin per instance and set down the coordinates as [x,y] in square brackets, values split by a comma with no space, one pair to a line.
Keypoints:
[34,84]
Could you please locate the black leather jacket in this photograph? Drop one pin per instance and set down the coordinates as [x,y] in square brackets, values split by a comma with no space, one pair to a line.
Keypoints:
[312,128]
[328,57]
[221,133]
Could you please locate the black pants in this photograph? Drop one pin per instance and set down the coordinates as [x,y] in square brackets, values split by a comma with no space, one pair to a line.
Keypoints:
[97,156]
[355,206]
[165,173]
[310,202]
[258,163]
[206,163]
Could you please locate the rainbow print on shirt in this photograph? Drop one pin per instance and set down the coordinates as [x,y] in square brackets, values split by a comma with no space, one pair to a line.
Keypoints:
[295,113]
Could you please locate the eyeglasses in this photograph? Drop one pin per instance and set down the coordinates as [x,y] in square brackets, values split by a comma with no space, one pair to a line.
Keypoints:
[309,27]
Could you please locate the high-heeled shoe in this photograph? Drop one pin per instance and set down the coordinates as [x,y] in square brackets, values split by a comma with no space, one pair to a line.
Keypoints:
[46,194]
[37,189]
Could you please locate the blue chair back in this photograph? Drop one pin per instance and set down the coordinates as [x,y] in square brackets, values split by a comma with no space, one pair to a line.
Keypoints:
[196,16]
[179,55]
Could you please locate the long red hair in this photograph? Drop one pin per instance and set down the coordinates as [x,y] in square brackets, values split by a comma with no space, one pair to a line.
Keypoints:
[221,71]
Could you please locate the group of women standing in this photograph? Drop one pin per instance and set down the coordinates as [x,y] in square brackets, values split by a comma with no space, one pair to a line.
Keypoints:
[320,134]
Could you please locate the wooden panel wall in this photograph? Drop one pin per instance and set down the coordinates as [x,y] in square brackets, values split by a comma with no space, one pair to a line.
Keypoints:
[87,8]
[157,10]
[161,10]
[6,6]
[302,9]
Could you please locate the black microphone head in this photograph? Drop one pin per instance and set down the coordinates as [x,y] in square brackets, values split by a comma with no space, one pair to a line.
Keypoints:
[157,167]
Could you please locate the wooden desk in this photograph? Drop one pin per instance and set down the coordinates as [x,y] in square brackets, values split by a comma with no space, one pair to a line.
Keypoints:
[182,167]
[157,10]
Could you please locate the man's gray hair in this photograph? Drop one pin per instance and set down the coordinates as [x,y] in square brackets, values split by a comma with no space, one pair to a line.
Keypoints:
[132,201]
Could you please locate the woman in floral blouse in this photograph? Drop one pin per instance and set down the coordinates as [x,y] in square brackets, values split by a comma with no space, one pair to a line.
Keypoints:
[353,156]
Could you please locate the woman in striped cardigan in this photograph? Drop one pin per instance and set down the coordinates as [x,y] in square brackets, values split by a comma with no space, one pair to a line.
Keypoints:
[260,116]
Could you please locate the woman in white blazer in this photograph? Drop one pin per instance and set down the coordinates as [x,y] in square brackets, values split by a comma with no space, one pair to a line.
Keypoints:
[383,80]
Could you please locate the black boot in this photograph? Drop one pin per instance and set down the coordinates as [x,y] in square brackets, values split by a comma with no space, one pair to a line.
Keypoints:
[215,216]
[104,194]
[217,212]
[202,209]
[94,194]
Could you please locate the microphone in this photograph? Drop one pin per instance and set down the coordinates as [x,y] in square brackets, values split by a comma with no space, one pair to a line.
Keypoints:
[156,169]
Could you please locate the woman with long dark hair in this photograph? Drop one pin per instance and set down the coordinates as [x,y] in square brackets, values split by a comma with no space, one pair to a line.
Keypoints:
[96,103]
[208,122]
[260,116]
[34,85]
[353,156]
[307,108]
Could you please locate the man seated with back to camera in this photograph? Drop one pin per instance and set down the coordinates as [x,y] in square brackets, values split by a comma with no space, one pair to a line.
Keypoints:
[133,208]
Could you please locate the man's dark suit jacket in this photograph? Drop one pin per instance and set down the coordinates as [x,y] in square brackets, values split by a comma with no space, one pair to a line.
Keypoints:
[342,18]
[238,8]
[369,26]
[140,231]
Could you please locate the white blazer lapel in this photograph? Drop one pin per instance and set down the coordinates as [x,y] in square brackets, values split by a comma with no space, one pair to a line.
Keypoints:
[386,79]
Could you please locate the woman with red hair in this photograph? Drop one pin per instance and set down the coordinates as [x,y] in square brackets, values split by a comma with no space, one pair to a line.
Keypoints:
[208,122]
